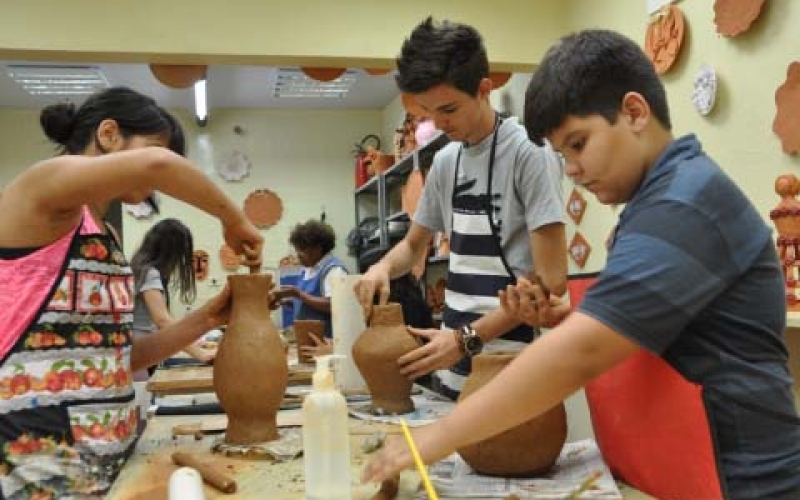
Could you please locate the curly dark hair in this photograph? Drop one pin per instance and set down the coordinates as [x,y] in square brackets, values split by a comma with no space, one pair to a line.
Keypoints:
[313,234]
[588,73]
[442,53]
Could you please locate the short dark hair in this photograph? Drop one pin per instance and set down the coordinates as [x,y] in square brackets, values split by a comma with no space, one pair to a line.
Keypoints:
[442,53]
[313,234]
[73,128]
[588,73]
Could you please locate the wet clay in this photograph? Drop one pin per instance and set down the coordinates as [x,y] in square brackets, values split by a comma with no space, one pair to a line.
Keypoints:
[302,329]
[376,352]
[528,449]
[250,369]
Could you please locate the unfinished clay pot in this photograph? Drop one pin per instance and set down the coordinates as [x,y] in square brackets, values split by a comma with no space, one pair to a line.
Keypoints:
[302,329]
[529,449]
[250,369]
[376,352]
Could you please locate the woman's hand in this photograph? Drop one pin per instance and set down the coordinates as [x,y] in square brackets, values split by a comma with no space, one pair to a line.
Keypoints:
[218,308]
[243,237]
[321,347]
[529,302]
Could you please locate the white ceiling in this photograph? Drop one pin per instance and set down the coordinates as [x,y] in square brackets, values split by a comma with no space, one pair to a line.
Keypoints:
[228,87]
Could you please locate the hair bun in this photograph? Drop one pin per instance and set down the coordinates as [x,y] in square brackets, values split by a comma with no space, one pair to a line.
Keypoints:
[58,122]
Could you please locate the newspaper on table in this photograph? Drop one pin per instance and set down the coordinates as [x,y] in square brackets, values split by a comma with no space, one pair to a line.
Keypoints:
[578,461]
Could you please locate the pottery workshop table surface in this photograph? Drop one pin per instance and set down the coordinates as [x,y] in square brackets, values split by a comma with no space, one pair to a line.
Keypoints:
[146,475]
[200,379]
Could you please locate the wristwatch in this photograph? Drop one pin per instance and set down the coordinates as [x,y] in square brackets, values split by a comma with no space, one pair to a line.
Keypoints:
[470,342]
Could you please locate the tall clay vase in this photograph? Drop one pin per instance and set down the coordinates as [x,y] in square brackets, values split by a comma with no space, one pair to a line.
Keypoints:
[375,354]
[529,449]
[250,369]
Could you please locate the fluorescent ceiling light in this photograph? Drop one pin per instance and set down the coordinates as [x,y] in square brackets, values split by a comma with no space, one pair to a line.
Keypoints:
[57,80]
[292,83]
[200,103]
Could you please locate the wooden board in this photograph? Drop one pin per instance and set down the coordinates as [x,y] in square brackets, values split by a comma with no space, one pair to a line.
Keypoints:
[200,379]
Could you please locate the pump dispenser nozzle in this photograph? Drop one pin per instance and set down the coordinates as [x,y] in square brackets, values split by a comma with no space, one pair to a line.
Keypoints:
[323,376]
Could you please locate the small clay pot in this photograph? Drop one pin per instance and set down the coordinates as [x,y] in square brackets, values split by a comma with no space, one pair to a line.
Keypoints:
[250,369]
[376,352]
[528,449]
[302,329]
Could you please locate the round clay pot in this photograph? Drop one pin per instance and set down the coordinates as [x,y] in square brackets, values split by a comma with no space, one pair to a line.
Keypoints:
[375,354]
[528,449]
[250,369]
[302,329]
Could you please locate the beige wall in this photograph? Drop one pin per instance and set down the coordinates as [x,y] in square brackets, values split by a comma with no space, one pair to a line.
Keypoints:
[315,32]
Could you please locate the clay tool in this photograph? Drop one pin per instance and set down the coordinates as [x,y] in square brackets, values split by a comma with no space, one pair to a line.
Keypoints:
[585,485]
[209,474]
[423,471]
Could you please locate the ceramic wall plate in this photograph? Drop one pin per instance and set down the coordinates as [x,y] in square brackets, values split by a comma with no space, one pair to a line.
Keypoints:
[787,118]
[664,38]
[576,206]
[579,249]
[734,17]
[263,207]
[704,90]
[234,167]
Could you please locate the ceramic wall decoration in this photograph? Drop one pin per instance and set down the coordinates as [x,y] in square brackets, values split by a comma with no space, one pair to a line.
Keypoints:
[200,264]
[704,89]
[528,449]
[579,249]
[376,352]
[734,17]
[250,369]
[787,118]
[228,258]
[264,208]
[786,217]
[664,38]
[576,206]
[178,76]
[234,167]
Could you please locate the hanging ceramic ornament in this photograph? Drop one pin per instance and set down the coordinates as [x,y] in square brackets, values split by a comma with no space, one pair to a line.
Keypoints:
[200,264]
[704,89]
[576,206]
[234,167]
[664,38]
[787,118]
[734,17]
[579,249]
[263,207]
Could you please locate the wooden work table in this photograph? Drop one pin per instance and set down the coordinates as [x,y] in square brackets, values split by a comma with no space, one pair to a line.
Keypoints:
[146,475]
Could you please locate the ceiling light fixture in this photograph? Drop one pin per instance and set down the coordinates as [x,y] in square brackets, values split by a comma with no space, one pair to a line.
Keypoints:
[200,102]
[292,83]
[57,80]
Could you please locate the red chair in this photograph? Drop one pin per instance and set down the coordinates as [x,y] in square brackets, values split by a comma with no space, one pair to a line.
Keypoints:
[650,424]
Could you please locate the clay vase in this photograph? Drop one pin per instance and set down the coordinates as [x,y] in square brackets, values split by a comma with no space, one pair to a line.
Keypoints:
[375,354]
[250,369]
[302,329]
[528,449]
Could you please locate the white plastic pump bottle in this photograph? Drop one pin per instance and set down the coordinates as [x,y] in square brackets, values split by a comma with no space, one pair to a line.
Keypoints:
[326,439]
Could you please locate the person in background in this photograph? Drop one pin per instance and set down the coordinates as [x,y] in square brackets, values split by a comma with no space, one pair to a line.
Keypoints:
[705,295]
[496,195]
[310,298]
[162,264]
[68,416]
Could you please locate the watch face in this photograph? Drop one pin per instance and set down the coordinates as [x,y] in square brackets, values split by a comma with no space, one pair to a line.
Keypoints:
[473,344]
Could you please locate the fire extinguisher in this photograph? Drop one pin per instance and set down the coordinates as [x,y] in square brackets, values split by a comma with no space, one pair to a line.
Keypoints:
[362,174]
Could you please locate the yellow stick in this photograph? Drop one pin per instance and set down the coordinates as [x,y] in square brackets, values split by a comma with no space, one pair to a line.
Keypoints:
[426,481]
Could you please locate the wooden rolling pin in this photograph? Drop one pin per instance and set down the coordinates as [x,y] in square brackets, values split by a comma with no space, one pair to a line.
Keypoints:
[210,475]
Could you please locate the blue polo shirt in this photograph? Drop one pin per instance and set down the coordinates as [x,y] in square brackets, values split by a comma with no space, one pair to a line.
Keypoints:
[693,276]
